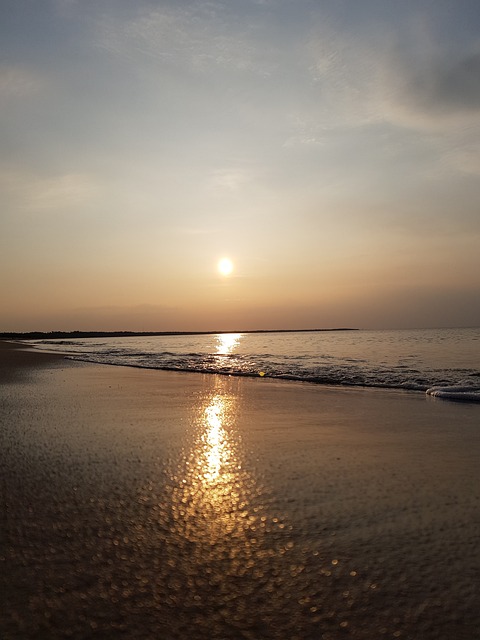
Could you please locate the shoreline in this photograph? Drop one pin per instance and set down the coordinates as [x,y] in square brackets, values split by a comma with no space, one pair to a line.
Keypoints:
[67,357]
[160,504]
[17,358]
[443,375]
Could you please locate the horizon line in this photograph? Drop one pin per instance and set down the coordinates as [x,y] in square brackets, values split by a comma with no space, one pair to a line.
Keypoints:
[126,333]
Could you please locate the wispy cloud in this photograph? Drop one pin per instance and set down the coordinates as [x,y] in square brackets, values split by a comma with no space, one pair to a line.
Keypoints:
[198,37]
[406,77]
[430,93]
[468,159]
[46,194]
[449,86]
[230,179]
[18,82]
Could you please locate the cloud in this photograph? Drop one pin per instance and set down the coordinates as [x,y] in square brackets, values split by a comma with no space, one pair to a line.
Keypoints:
[406,75]
[467,160]
[229,179]
[432,93]
[18,82]
[66,190]
[454,86]
[52,194]
[198,37]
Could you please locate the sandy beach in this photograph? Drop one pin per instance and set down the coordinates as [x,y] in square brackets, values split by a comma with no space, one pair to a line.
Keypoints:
[157,505]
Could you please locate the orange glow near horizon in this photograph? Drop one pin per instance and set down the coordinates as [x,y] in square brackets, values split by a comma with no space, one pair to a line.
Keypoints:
[208,203]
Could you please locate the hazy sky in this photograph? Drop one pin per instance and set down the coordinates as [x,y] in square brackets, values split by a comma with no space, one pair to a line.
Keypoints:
[329,148]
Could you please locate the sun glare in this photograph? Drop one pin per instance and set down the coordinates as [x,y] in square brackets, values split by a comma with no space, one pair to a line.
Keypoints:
[225,266]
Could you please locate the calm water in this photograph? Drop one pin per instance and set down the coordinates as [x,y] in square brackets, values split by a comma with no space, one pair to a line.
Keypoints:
[443,362]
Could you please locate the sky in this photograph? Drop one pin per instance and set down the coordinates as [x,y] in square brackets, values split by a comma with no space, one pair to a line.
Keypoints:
[329,148]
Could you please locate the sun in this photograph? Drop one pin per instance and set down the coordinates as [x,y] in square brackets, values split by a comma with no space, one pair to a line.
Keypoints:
[225,266]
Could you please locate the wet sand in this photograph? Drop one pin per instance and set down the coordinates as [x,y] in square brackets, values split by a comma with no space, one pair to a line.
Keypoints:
[145,504]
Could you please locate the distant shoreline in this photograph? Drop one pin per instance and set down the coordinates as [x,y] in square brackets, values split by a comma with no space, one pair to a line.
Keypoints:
[56,335]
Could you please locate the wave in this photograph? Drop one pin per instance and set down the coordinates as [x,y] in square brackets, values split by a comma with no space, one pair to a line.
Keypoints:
[455,393]
[434,383]
[410,362]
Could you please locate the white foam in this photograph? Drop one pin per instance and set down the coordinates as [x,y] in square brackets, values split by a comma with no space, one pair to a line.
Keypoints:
[459,394]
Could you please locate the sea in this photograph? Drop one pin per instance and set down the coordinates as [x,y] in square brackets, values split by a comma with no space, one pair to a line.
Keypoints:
[440,362]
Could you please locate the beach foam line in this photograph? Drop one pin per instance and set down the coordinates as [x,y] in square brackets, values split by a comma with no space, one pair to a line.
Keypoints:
[457,394]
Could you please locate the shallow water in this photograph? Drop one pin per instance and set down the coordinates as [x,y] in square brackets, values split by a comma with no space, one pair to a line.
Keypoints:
[445,362]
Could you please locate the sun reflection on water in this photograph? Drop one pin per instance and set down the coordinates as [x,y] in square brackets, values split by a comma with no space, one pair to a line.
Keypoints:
[216,450]
[227,559]
[226,342]
[219,488]
[217,501]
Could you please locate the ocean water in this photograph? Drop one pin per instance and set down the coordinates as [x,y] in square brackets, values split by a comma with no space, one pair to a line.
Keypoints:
[440,362]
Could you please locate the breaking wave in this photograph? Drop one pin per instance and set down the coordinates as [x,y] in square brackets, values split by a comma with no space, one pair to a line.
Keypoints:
[441,363]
